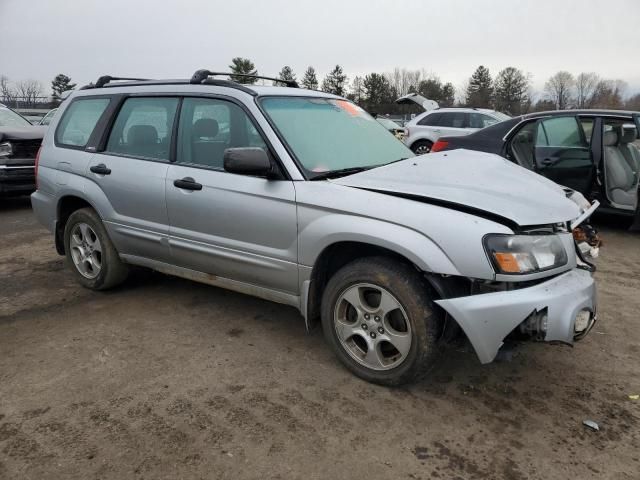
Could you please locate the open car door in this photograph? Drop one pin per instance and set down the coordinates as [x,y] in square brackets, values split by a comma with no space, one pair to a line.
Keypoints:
[563,153]
[635,226]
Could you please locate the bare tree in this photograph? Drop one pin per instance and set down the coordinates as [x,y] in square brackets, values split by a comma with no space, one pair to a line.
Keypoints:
[7,92]
[560,89]
[586,84]
[29,91]
[609,94]
[402,81]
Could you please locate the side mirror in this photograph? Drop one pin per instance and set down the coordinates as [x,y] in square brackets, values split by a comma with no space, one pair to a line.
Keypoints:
[247,161]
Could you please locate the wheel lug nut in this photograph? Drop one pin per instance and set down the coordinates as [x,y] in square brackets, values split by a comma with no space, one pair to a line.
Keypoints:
[366,316]
[376,318]
[364,326]
[380,330]
[373,334]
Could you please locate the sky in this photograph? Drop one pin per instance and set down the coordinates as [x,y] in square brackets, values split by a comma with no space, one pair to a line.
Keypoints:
[85,39]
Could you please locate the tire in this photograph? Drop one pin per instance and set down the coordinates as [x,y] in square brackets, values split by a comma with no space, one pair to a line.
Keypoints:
[421,147]
[90,253]
[343,324]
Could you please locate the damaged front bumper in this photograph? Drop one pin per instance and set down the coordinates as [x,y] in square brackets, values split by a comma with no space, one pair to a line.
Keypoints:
[553,306]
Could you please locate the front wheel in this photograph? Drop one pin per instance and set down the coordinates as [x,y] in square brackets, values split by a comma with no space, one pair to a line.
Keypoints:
[421,147]
[378,318]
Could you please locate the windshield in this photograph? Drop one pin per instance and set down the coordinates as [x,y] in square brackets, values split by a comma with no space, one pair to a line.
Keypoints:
[9,118]
[330,134]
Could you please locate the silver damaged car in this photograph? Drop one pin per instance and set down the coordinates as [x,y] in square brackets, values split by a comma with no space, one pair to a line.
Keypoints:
[300,197]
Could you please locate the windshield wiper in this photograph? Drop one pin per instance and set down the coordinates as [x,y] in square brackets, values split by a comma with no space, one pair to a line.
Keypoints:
[339,173]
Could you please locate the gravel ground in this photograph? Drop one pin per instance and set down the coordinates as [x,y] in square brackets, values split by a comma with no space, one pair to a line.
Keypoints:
[165,378]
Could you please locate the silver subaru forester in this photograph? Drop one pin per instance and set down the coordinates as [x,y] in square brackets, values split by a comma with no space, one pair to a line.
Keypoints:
[302,198]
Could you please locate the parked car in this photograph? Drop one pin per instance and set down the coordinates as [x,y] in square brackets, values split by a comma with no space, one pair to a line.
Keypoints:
[425,129]
[19,143]
[393,127]
[46,120]
[592,151]
[306,200]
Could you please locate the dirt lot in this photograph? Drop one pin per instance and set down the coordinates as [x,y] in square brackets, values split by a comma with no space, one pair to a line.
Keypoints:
[165,378]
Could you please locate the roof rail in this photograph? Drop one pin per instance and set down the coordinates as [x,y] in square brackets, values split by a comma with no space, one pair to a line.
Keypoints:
[201,75]
[102,81]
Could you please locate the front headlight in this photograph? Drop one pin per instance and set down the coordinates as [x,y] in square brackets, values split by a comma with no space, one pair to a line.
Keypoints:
[520,254]
[5,149]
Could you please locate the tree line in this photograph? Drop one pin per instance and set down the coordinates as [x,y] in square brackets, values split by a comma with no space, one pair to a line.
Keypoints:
[510,91]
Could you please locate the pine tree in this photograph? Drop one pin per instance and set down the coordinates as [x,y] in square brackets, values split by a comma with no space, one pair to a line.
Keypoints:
[511,90]
[335,82]
[480,89]
[310,80]
[243,66]
[286,74]
[61,83]
[377,91]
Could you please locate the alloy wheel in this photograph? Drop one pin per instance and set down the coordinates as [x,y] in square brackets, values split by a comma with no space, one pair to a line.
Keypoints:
[86,250]
[372,326]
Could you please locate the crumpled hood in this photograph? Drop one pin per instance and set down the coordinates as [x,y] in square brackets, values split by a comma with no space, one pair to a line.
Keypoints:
[476,180]
[35,132]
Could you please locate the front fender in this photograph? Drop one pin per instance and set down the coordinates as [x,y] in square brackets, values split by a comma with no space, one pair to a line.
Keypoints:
[328,229]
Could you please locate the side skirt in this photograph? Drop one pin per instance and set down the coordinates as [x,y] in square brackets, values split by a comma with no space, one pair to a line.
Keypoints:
[227,283]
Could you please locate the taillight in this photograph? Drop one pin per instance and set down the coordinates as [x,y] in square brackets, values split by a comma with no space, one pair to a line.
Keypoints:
[37,163]
[439,145]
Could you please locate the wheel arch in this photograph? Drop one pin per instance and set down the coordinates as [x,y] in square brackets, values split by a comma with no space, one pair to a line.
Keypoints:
[336,255]
[67,204]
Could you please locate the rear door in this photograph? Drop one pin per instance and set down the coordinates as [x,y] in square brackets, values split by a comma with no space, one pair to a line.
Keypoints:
[563,153]
[131,171]
[452,124]
[237,227]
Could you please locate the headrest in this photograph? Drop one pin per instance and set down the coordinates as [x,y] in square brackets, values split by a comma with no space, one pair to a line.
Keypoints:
[629,133]
[205,128]
[610,138]
[525,135]
[142,135]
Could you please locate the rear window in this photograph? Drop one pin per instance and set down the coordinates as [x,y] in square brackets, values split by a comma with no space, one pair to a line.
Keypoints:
[79,120]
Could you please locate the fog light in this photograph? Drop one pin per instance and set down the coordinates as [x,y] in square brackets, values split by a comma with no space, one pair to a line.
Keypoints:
[583,318]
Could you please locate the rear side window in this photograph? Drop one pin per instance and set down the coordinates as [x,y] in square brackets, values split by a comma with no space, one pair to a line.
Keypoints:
[143,128]
[431,120]
[480,120]
[79,120]
[453,119]
[560,132]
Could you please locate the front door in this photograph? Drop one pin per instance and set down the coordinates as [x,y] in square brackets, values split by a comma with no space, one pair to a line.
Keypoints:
[238,227]
[563,153]
[131,172]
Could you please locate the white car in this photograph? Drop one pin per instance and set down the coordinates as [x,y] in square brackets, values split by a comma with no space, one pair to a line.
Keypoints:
[425,129]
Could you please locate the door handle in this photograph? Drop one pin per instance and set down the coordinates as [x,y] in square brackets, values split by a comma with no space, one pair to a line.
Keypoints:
[187,183]
[547,162]
[101,169]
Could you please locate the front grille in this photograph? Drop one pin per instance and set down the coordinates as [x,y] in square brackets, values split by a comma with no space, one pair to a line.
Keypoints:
[25,148]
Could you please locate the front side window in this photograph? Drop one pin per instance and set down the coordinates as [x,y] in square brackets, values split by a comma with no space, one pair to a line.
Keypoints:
[327,134]
[208,127]
[79,120]
[143,128]
[560,132]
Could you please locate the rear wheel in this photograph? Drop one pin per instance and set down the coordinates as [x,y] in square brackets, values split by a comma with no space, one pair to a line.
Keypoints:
[90,253]
[421,147]
[378,318]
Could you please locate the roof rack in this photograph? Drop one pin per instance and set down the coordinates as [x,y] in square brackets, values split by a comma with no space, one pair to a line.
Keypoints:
[201,75]
[105,79]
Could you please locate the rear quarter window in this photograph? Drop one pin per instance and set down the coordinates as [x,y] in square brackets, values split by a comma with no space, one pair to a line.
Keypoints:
[79,120]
